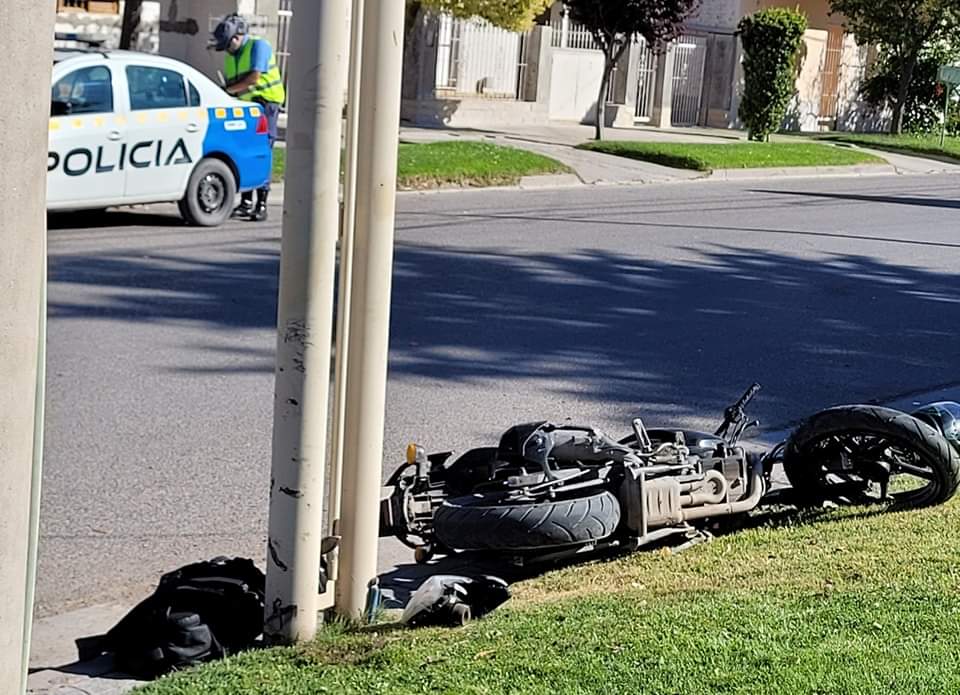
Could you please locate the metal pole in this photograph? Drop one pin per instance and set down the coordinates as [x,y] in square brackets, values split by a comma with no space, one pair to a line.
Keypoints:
[346,274]
[36,478]
[370,311]
[305,317]
[22,275]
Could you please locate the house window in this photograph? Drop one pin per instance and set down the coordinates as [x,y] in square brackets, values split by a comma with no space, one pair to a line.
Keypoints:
[92,6]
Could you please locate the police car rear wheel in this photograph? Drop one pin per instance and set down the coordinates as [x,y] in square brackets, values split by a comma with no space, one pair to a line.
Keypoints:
[211,193]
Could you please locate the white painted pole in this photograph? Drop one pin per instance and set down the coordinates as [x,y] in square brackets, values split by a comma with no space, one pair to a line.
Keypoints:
[28,26]
[370,303]
[346,274]
[305,317]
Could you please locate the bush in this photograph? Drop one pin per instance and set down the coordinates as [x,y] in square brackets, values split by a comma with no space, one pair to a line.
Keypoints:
[771,40]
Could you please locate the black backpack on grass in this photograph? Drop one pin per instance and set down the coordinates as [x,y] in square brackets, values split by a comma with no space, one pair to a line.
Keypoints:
[198,613]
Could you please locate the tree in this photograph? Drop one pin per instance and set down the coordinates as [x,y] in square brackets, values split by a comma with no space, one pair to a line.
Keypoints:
[515,15]
[130,24]
[903,28]
[771,39]
[615,23]
[923,107]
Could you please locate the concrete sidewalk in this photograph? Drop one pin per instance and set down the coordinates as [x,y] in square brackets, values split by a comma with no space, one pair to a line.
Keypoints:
[559,141]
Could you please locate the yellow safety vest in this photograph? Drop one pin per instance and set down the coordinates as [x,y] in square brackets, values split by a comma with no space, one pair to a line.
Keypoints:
[270,85]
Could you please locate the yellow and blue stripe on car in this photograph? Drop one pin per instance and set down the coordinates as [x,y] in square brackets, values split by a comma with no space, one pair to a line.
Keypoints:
[240,134]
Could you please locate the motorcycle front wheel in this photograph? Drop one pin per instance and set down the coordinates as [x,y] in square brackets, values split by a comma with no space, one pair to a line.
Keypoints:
[862,454]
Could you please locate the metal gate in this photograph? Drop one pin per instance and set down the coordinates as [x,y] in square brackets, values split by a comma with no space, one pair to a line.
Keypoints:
[448,53]
[690,53]
[284,15]
[647,82]
[830,84]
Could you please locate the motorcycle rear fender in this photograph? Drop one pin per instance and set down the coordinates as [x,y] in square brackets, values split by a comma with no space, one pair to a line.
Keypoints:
[943,416]
[392,518]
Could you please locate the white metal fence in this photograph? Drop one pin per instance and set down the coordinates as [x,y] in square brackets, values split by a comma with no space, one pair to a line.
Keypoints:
[474,57]
[572,36]
[567,34]
[688,67]
[646,82]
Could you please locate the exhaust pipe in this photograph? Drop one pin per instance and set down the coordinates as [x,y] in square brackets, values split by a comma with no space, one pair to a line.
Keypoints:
[695,497]
[757,489]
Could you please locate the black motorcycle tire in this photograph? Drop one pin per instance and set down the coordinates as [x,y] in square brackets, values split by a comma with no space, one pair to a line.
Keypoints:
[479,522]
[899,428]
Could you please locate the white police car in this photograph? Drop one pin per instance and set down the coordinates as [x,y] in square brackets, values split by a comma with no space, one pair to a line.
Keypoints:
[129,128]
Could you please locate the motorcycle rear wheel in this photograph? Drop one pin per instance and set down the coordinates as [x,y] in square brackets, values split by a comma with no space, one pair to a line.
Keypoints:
[483,522]
[838,453]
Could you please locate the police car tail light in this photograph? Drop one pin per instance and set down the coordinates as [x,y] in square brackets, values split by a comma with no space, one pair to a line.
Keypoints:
[262,126]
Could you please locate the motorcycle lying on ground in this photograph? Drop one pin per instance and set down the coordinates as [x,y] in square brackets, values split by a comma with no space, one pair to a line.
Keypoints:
[549,491]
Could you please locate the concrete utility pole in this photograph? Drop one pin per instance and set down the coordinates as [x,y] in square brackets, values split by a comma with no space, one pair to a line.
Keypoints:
[305,318]
[345,280]
[383,23]
[28,25]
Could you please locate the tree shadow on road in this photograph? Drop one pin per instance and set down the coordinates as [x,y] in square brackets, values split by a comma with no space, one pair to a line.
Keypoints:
[673,336]
[922,201]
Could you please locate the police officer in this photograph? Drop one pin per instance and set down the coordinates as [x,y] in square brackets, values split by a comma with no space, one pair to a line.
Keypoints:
[252,75]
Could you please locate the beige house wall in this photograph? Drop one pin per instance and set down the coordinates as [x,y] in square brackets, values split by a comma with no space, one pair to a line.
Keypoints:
[817,11]
[717,14]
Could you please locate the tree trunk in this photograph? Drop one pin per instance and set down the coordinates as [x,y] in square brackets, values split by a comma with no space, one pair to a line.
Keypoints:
[131,22]
[602,99]
[906,77]
[610,60]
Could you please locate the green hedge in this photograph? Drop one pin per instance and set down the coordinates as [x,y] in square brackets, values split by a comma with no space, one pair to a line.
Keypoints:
[771,39]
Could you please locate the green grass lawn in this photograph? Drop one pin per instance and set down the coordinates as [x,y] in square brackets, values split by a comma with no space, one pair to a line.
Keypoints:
[850,601]
[908,144]
[707,157]
[457,163]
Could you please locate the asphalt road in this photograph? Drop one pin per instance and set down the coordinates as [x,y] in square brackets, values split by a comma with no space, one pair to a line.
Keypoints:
[589,304]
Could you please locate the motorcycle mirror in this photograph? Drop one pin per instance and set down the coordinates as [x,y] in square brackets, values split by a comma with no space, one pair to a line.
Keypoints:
[643,437]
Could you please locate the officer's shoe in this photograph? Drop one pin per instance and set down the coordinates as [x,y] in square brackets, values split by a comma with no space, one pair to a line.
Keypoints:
[244,210]
[259,213]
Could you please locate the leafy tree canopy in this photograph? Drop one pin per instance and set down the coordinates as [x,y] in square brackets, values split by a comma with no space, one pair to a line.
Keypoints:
[897,23]
[617,21]
[516,15]
[903,28]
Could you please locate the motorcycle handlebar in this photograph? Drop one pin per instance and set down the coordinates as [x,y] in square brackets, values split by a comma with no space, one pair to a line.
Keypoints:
[747,396]
[734,415]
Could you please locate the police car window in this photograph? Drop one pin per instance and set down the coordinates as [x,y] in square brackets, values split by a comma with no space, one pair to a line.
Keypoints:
[194,96]
[87,90]
[155,88]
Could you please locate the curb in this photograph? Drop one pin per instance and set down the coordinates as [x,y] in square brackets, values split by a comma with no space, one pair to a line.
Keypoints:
[800,172]
[88,678]
[553,181]
[550,181]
